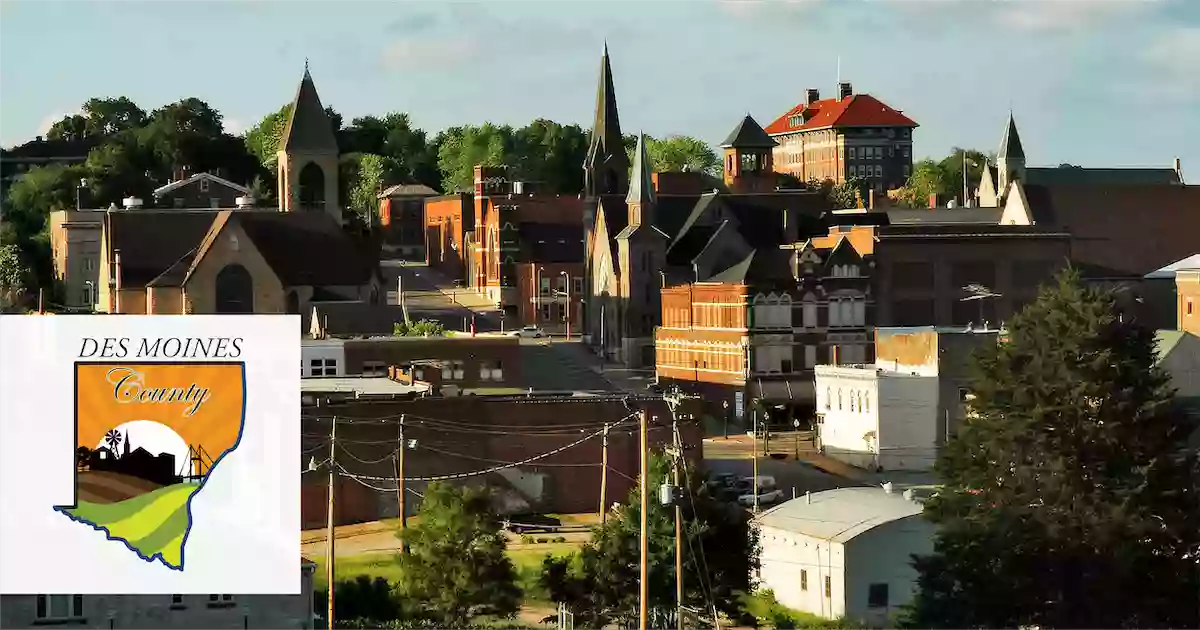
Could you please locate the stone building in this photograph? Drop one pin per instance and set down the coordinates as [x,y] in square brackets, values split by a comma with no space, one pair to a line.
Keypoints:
[853,135]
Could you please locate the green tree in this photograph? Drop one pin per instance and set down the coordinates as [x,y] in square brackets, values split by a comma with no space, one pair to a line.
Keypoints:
[364,191]
[421,328]
[600,585]
[456,567]
[14,276]
[926,179]
[1070,497]
[113,174]
[110,116]
[551,154]
[951,168]
[73,128]
[461,149]
[262,140]
[407,154]
[682,153]
[843,195]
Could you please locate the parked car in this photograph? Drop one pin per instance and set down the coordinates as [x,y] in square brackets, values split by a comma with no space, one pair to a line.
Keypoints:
[529,331]
[522,523]
[764,498]
[767,492]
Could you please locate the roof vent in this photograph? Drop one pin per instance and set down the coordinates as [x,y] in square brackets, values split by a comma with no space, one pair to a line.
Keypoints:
[887,487]
[246,201]
[908,494]
[131,203]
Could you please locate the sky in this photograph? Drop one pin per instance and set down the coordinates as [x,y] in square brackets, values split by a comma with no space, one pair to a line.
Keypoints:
[1090,82]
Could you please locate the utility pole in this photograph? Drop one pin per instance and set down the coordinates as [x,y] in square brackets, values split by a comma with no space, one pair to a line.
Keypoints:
[604,477]
[754,454]
[400,489]
[329,545]
[678,520]
[644,491]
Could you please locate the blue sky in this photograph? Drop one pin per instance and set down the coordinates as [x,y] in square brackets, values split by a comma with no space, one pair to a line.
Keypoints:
[1091,82]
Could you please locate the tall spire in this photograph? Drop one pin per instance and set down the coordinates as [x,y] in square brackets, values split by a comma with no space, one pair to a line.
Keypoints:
[606,164]
[309,128]
[641,184]
[1010,146]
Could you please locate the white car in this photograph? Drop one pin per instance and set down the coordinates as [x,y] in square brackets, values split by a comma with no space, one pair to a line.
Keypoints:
[765,497]
[529,331]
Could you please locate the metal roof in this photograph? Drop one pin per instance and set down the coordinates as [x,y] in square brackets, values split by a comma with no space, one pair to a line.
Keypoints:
[358,385]
[841,514]
[1191,262]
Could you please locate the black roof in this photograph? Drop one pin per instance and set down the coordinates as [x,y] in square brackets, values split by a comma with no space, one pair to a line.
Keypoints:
[152,242]
[749,135]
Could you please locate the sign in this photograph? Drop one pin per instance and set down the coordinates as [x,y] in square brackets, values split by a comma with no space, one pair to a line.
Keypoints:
[739,404]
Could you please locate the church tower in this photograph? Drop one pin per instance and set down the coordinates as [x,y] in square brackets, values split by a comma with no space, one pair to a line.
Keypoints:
[1010,161]
[605,170]
[308,156]
[749,158]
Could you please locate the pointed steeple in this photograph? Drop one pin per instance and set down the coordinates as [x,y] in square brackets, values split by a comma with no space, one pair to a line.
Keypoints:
[641,184]
[126,443]
[309,129]
[606,165]
[1010,146]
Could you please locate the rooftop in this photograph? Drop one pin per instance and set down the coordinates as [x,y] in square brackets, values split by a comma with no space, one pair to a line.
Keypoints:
[841,514]
[359,385]
[1191,262]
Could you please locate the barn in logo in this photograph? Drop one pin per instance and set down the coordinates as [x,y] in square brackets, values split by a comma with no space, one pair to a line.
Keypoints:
[148,436]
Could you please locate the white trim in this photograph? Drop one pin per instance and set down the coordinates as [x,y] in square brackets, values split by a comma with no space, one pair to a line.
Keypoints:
[162,190]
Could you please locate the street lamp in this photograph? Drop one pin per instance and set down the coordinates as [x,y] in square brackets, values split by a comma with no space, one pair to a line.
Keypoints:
[725,414]
[567,284]
[537,296]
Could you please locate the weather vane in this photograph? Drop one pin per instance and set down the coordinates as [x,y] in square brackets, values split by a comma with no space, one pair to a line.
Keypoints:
[306,64]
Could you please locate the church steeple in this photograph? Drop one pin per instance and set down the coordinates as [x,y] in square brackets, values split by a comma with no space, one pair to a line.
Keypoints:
[1010,160]
[606,166]
[641,186]
[308,155]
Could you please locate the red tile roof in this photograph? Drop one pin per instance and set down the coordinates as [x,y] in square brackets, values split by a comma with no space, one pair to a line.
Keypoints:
[858,110]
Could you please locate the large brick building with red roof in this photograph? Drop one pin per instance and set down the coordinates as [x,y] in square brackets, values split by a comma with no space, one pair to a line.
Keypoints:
[852,135]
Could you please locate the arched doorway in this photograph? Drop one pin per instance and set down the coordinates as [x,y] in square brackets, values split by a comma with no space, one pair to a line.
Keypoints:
[312,187]
[235,290]
[293,303]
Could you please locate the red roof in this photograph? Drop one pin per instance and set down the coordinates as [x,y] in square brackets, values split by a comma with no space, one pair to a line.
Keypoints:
[858,110]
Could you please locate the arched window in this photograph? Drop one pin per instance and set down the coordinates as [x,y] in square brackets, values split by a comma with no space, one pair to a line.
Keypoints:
[839,399]
[852,395]
[312,187]
[867,400]
[860,402]
[235,290]
[293,303]
[828,398]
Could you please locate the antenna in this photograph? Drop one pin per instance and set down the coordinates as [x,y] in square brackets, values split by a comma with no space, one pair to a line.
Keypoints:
[839,69]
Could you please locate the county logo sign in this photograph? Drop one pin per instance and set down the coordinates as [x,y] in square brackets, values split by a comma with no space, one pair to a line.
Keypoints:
[147,437]
[150,455]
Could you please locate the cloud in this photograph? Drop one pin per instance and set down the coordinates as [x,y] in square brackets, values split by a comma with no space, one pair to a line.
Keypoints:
[234,127]
[1172,58]
[429,53]
[1063,15]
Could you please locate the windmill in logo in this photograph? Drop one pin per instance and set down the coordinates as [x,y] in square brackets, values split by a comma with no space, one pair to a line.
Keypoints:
[113,440]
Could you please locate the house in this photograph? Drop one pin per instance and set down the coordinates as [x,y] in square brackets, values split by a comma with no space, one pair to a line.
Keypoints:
[853,135]
[201,190]
[231,261]
[1173,294]
[402,219]
[18,160]
[844,552]
[163,611]
[896,413]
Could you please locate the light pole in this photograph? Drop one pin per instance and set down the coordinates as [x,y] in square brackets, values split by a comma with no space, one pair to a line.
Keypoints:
[537,296]
[567,285]
[725,416]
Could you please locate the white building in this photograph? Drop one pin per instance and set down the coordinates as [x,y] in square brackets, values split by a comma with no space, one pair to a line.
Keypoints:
[844,552]
[875,418]
[322,357]
[163,611]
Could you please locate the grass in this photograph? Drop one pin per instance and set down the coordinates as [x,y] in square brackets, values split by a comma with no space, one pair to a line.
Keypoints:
[527,561]
[152,523]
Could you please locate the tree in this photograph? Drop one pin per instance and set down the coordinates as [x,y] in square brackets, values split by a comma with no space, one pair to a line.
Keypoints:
[926,180]
[682,153]
[14,276]
[113,174]
[262,140]
[73,128]
[551,154]
[110,116]
[461,149]
[365,188]
[843,195]
[601,585]
[456,567]
[1070,497]
[422,328]
[951,169]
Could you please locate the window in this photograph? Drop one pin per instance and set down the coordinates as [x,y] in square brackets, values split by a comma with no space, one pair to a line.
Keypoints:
[545,311]
[59,606]
[491,370]
[860,313]
[87,294]
[907,169]
[220,601]
[177,602]
[810,314]
[203,185]
[803,579]
[877,596]
[810,356]
[545,286]
[1189,306]
[835,315]
[452,370]
[847,314]
[850,153]
[89,263]
[785,366]
[852,397]
[828,398]
[214,202]
[177,202]
[323,367]
[904,151]
[374,368]
[577,285]
[839,404]
[828,587]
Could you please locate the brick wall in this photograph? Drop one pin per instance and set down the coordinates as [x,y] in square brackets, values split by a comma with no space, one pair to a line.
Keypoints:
[571,478]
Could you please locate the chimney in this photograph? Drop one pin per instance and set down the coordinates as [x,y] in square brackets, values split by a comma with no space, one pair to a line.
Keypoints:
[1179,170]
[812,96]
[131,203]
[845,90]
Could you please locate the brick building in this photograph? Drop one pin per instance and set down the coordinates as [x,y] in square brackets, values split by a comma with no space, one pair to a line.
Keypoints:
[468,362]
[853,135]
[464,434]
[402,220]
